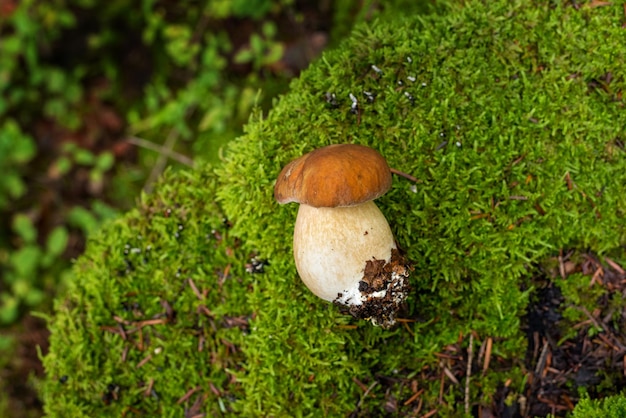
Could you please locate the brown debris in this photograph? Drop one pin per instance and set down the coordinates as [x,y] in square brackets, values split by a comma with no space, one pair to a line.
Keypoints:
[195,411]
[188,395]
[149,388]
[560,366]
[377,276]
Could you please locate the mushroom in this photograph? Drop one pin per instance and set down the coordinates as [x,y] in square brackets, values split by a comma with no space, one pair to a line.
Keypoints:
[343,247]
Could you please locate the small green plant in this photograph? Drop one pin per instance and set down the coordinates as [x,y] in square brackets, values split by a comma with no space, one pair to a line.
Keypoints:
[16,280]
[30,86]
[23,267]
[263,49]
[73,155]
[16,150]
[32,263]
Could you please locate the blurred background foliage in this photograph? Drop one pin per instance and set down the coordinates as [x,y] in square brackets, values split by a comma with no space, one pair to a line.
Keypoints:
[96,99]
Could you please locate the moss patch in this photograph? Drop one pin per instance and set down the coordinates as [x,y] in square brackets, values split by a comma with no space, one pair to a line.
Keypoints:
[158,311]
[611,407]
[510,115]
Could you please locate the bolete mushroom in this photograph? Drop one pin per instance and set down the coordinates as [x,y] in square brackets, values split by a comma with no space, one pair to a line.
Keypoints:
[343,246]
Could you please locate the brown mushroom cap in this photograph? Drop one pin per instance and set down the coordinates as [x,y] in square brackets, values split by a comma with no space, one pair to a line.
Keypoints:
[335,175]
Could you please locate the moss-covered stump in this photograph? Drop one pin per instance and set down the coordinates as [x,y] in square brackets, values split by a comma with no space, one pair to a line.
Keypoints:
[512,118]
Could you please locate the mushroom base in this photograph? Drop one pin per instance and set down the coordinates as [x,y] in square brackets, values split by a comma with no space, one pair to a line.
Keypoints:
[384,288]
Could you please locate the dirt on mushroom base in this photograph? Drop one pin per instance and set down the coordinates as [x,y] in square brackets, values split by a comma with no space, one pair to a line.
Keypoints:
[385,286]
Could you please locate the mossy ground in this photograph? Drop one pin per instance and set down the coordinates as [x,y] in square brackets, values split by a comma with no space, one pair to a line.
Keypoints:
[511,116]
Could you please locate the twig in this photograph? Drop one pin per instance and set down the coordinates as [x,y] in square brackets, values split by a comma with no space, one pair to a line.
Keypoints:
[183,159]
[597,277]
[542,359]
[369,389]
[408,328]
[187,395]
[168,146]
[615,266]
[614,347]
[149,388]
[568,181]
[598,3]
[470,354]
[593,320]
[421,401]
[441,387]
[147,322]
[359,384]
[415,396]
[403,174]
[487,354]
[194,288]
[125,353]
[144,361]
[561,264]
[450,375]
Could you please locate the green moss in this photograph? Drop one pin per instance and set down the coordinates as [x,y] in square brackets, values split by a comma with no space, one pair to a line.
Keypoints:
[509,101]
[610,407]
[141,268]
[579,296]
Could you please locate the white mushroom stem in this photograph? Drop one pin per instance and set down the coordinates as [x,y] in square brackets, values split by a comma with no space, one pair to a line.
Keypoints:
[332,245]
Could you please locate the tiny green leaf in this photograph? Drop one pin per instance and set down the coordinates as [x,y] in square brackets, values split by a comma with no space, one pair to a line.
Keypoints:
[8,310]
[60,167]
[34,297]
[269,29]
[82,218]
[242,57]
[25,260]
[13,184]
[83,157]
[274,54]
[24,228]
[6,342]
[105,161]
[57,241]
